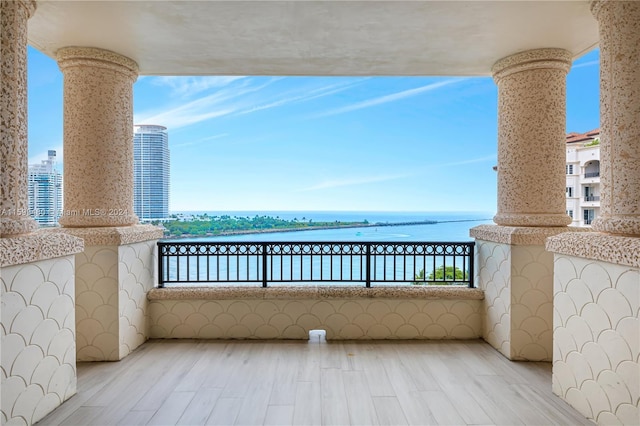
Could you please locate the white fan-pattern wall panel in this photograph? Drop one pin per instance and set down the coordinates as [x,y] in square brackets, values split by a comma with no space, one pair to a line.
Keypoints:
[111,297]
[531,303]
[136,270]
[518,285]
[97,304]
[494,273]
[293,319]
[38,338]
[596,360]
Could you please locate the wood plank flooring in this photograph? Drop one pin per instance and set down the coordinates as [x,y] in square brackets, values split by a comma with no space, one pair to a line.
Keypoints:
[186,382]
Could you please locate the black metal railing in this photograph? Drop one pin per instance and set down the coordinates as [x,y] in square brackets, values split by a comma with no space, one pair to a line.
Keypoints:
[308,262]
[592,174]
[592,198]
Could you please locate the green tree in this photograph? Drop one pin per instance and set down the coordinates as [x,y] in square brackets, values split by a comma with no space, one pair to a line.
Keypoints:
[442,275]
[419,278]
[446,273]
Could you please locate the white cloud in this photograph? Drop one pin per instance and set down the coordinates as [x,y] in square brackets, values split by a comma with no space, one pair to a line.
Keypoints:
[199,141]
[306,96]
[586,64]
[189,86]
[389,98]
[195,111]
[233,100]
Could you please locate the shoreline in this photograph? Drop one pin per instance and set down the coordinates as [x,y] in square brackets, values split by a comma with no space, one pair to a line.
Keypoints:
[318,228]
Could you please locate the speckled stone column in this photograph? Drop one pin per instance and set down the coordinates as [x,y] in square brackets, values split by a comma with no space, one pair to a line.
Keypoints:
[531,138]
[14,213]
[98,137]
[619,116]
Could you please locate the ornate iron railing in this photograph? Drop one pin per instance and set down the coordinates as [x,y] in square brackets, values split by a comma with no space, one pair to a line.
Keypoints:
[310,262]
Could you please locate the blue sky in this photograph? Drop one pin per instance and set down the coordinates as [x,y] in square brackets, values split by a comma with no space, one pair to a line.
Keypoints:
[319,143]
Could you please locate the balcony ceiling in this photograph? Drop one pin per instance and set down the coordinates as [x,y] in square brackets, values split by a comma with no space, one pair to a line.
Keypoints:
[314,37]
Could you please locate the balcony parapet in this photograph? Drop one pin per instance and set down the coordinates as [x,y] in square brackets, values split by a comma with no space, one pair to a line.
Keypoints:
[316,292]
[112,236]
[37,246]
[619,250]
[519,235]
[290,312]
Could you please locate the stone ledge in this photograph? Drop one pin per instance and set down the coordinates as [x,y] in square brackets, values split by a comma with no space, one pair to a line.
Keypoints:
[112,236]
[37,246]
[597,246]
[520,235]
[316,292]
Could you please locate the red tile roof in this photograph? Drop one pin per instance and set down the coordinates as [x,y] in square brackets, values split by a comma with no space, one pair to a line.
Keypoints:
[583,137]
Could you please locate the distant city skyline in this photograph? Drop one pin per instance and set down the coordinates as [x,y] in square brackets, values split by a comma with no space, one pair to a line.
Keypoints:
[320,143]
[45,191]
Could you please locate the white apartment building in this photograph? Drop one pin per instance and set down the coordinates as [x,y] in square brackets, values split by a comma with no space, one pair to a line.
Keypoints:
[151,172]
[45,191]
[583,177]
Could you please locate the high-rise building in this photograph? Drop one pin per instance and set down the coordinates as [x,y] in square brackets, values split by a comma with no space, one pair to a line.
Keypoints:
[583,177]
[151,172]
[45,191]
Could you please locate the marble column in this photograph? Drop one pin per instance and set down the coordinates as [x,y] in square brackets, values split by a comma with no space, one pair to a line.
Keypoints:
[531,138]
[14,213]
[619,116]
[98,137]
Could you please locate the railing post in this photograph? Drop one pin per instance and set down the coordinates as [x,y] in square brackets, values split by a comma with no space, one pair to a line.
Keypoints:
[472,258]
[264,264]
[160,266]
[368,262]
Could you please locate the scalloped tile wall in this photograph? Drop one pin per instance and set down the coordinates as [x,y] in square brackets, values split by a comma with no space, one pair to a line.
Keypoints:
[38,338]
[518,305]
[293,319]
[111,287]
[596,353]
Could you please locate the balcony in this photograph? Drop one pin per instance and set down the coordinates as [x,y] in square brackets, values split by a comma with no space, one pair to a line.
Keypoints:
[592,174]
[592,198]
[314,382]
[267,290]
[85,292]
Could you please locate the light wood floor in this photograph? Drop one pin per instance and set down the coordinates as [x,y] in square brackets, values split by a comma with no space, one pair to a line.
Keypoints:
[302,383]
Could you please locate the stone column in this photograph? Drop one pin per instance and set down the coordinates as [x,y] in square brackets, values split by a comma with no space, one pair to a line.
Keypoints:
[116,269]
[531,138]
[619,116]
[14,214]
[37,337]
[513,267]
[596,274]
[98,137]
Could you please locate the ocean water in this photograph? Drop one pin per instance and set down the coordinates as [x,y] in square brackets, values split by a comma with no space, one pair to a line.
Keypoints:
[454,226]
